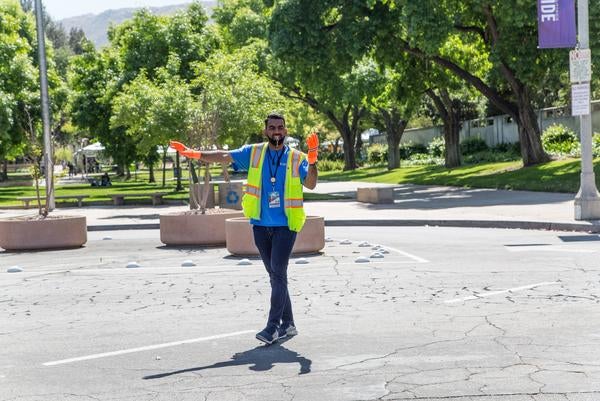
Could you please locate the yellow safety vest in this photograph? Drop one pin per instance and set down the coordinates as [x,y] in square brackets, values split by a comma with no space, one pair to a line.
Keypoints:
[293,195]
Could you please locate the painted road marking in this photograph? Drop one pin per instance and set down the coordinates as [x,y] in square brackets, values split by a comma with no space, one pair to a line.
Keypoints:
[492,293]
[408,255]
[545,248]
[147,348]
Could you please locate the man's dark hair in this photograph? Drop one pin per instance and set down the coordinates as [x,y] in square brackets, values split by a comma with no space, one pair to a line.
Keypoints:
[274,116]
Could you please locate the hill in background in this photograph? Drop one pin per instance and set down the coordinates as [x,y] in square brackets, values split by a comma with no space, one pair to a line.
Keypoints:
[96,26]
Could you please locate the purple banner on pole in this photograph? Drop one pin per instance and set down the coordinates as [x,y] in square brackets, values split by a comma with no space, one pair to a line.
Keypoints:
[556,23]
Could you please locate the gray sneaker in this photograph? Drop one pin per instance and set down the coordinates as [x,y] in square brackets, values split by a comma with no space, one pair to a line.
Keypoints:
[268,336]
[287,330]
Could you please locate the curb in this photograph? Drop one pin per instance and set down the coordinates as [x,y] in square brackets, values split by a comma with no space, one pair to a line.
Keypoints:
[502,224]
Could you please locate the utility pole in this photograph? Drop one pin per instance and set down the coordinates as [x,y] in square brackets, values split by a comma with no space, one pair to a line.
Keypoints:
[45,107]
[587,200]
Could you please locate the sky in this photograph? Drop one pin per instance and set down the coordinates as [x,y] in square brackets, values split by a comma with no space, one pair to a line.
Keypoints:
[60,9]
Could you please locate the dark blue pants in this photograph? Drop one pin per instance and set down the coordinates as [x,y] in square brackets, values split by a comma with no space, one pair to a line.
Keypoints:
[275,246]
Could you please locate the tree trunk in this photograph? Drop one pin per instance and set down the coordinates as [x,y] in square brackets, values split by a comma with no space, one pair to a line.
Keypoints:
[164,168]
[178,165]
[348,146]
[347,124]
[345,128]
[4,174]
[532,151]
[358,146]
[451,131]
[127,173]
[451,140]
[394,127]
[530,139]
[451,123]
[151,173]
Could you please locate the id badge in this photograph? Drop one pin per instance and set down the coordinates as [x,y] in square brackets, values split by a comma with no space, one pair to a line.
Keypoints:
[274,200]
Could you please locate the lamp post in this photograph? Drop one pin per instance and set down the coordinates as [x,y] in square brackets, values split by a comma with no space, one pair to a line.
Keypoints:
[587,200]
[49,176]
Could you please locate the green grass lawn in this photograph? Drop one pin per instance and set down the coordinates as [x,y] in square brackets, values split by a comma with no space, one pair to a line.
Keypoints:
[554,176]
[138,184]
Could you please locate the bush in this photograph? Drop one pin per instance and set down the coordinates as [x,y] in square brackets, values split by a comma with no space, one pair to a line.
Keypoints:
[337,156]
[514,147]
[407,149]
[423,159]
[560,140]
[473,145]
[331,165]
[596,144]
[437,147]
[377,154]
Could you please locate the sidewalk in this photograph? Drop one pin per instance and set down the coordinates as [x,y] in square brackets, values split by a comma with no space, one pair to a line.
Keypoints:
[414,205]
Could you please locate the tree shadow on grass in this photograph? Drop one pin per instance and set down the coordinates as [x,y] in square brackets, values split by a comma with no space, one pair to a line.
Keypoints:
[259,359]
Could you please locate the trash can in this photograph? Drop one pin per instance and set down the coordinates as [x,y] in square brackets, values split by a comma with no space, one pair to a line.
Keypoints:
[230,195]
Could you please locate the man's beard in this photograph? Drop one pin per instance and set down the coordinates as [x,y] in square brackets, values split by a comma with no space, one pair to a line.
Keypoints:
[276,142]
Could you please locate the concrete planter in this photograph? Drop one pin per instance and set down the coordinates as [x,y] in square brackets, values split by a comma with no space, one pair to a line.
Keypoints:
[195,229]
[375,195]
[240,240]
[20,233]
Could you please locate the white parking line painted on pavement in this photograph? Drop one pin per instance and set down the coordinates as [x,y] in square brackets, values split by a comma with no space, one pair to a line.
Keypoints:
[408,255]
[147,348]
[492,293]
[527,248]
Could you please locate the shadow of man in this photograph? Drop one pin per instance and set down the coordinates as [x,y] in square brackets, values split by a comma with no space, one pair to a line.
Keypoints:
[260,359]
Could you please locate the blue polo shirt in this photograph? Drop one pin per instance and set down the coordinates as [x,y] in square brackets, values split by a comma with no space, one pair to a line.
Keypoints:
[273,165]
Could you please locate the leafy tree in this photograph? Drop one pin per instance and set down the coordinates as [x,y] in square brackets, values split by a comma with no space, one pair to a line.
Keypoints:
[18,85]
[394,94]
[19,88]
[455,102]
[508,32]
[94,81]
[237,95]
[241,21]
[152,113]
[311,60]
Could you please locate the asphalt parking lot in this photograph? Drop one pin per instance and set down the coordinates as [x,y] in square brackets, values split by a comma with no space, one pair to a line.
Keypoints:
[445,314]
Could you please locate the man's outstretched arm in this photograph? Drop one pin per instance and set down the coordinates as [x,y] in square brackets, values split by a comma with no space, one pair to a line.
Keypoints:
[209,156]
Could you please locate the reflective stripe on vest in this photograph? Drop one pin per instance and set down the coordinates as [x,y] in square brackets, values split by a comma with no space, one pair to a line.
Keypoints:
[252,190]
[294,202]
[256,154]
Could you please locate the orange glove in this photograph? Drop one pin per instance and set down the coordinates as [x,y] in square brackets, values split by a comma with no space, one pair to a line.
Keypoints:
[313,148]
[184,150]
[178,146]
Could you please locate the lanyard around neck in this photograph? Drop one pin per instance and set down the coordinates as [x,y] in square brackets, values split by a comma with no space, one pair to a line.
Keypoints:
[271,160]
